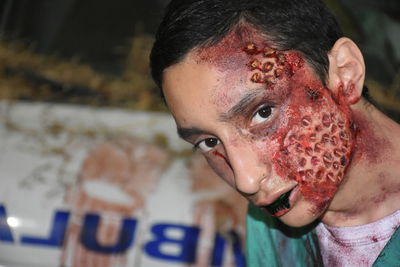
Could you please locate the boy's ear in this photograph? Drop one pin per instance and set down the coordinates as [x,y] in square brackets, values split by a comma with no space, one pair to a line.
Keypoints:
[346,71]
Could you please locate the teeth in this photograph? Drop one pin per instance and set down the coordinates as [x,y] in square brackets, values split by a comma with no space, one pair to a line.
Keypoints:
[281,203]
[286,203]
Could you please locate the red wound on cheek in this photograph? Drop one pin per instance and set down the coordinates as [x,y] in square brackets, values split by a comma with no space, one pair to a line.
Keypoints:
[218,154]
[319,150]
[316,141]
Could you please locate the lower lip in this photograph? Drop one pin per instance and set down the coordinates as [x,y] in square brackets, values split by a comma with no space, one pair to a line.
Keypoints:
[280,213]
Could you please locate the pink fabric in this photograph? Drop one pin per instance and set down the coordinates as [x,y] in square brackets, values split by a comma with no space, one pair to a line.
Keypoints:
[356,245]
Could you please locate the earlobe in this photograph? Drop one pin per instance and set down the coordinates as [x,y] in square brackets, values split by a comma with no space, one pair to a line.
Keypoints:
[346,71]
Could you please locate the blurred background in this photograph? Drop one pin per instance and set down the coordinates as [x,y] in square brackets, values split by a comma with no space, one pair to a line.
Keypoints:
[91,170]
[96,52]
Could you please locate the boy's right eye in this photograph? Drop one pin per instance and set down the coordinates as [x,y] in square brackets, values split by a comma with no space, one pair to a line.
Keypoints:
[207,144]
[262,114]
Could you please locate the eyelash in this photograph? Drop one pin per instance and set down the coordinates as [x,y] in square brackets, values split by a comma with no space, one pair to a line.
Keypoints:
[271,108]
[198,144]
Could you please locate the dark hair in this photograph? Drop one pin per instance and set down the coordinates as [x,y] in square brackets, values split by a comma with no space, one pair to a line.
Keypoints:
[306,26]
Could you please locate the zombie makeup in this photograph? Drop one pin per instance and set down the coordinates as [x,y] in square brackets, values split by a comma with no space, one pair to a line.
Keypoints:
[308,139]
[316,152]
[268,65]
[315,145]
[228,58]
[218,154]
[369,146]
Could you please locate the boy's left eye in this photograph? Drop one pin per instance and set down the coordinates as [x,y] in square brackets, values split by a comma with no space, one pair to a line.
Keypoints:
[207,144]
[262,114]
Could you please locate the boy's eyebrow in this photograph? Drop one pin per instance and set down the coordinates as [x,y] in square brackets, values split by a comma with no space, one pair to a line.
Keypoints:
[187,133]
[242,107]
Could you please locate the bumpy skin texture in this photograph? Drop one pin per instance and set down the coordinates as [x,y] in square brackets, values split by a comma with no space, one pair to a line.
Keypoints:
[272,66]
[314,147]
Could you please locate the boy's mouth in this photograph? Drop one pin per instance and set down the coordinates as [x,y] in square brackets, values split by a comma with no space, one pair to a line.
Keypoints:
[281,203]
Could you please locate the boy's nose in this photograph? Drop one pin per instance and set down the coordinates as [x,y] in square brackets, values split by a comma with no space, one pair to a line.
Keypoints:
[246,167]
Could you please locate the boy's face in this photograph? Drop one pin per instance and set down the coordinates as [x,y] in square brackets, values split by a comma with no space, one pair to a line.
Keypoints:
[265,123]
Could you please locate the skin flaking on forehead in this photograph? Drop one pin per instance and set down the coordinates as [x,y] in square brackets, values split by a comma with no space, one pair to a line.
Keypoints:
[228,59]
[224,55]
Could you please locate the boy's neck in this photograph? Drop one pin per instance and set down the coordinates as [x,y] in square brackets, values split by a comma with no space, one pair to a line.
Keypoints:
[371,188]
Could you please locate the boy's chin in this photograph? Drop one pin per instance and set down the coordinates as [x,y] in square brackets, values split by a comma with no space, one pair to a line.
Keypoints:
[300,216]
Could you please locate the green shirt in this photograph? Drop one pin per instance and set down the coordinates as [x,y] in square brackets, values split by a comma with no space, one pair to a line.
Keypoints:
[270,243]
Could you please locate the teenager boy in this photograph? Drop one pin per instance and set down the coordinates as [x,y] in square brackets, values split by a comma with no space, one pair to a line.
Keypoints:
[273,95]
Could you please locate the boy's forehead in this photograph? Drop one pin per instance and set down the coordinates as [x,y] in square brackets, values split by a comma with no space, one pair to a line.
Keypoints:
[227,54]
[204,82]
[236,70]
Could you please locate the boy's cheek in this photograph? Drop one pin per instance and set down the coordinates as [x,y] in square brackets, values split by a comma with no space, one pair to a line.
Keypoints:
[315,150]
[220,165]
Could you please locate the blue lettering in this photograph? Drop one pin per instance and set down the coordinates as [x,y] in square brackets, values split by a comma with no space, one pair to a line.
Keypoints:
[57,233]
[187,244]
[219,247]
[237,250]
[89,232]
[5,231]
[218,251]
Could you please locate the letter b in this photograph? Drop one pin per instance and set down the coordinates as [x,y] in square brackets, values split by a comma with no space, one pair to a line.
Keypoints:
[187,243]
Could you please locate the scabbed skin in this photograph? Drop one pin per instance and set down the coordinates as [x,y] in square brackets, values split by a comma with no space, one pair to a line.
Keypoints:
[315,146]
